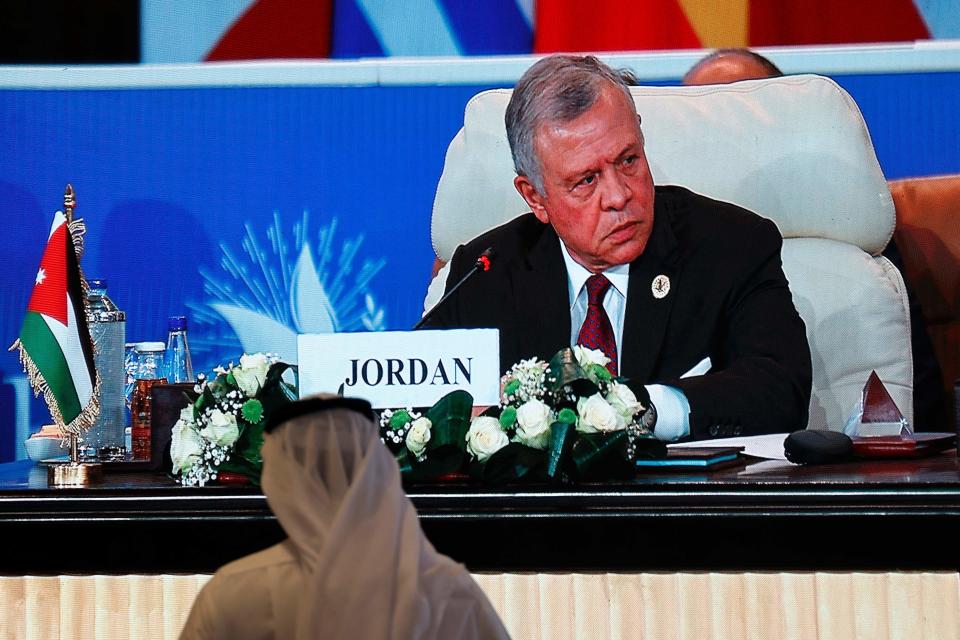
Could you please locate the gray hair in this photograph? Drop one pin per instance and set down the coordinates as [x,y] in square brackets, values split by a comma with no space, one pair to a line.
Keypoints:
[558,88]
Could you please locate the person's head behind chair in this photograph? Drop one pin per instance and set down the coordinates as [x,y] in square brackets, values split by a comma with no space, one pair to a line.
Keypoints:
[730,65]
[578,153]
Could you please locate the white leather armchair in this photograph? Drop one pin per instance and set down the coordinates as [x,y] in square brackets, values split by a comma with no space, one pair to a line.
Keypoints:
[793,149]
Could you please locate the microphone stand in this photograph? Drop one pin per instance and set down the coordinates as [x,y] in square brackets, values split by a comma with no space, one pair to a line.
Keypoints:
[484,260]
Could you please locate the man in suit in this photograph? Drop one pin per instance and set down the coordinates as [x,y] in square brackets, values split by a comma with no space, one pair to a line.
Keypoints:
[684,293]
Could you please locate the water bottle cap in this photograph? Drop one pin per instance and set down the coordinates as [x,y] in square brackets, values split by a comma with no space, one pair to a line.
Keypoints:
[151,346]
[177,323]
[96,283]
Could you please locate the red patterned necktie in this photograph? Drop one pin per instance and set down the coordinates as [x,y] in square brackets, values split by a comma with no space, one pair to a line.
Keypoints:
[597,332]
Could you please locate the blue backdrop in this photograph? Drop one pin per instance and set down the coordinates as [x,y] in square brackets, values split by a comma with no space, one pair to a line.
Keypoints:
[263,211]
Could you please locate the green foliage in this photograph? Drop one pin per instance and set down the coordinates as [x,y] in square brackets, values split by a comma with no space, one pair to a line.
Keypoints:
[570,455]
[252,411]
[450,419]
[562,436]
[514,462]
[399,418]
[598,372]
[249,443]
[592,449]
[245,455]
[564,371]
[508,418]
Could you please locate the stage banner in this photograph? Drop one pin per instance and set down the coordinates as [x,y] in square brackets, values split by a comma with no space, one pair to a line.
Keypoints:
[258,212]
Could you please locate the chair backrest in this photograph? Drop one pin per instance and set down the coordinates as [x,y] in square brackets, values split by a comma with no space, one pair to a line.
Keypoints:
[928,236]
[793,149]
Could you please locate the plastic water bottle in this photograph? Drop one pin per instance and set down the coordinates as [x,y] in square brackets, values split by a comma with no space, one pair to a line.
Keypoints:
[107,323]
[178,364]
[149,372]
[150,365]
[131,361]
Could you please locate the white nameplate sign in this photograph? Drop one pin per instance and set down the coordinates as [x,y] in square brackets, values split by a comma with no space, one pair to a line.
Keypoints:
[394,369]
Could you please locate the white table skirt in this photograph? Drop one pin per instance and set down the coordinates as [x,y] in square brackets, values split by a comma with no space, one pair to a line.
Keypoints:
[724,606]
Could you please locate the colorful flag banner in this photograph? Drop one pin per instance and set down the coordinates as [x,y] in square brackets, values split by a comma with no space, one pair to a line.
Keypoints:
[55,345]
[190,31]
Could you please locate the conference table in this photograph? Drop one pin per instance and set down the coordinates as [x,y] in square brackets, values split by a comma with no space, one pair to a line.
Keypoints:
[891,514]
[763,520]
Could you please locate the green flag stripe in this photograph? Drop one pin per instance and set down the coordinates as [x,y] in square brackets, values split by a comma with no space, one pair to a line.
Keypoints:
[42,347]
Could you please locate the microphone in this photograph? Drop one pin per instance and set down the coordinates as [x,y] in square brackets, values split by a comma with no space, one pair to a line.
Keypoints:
[812,446]
[483,264]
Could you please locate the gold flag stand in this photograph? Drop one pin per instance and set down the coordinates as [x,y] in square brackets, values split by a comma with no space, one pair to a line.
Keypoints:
[73,473]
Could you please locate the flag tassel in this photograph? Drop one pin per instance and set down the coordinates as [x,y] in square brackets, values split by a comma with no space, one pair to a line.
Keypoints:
[87,416]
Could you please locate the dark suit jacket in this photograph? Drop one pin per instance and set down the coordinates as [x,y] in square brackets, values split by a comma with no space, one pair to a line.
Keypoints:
[728,300]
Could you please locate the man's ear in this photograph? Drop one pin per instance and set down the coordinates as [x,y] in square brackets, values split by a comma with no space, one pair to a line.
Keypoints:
[536,201]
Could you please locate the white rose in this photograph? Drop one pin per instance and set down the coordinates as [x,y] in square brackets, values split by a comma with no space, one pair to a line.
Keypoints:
[221,428]
[186,447]
[418,436]
[485,437]
[186,414]
[596,414]
[252,373]
[533,424]
[587,356]
[622,398]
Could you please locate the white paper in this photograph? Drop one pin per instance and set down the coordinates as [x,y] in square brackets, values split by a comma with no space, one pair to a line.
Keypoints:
[768,446]
[771,467]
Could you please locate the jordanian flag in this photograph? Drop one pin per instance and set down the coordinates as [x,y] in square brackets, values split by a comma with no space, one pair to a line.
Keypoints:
[55,345]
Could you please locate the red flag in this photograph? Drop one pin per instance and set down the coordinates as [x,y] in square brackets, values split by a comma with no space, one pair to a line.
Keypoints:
[50,287]
[278,29]
[609,25]
[773,22]
[54,343]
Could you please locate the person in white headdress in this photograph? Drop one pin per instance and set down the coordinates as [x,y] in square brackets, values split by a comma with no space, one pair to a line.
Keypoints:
[356,563]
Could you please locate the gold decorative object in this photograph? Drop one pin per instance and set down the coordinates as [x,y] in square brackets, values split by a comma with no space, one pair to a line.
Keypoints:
[74,473]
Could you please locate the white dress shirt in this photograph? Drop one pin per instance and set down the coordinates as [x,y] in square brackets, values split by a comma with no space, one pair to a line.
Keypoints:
[673,408]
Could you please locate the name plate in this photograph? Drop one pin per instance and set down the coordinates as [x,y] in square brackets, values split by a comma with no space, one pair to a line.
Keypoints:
[394,369]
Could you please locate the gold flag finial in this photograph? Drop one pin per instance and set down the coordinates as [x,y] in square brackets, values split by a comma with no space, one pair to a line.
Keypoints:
[69,202]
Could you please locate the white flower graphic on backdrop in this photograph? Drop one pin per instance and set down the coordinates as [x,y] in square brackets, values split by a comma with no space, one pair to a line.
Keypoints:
[269,294]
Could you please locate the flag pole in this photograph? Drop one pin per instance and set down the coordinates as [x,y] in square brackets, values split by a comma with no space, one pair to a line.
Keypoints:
[73,473]
[69,202]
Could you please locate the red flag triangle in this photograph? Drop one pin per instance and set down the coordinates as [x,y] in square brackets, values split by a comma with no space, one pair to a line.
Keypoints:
[50,291]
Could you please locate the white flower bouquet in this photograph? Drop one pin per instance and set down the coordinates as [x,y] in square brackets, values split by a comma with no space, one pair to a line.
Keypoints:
[222,430]
[560,420]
